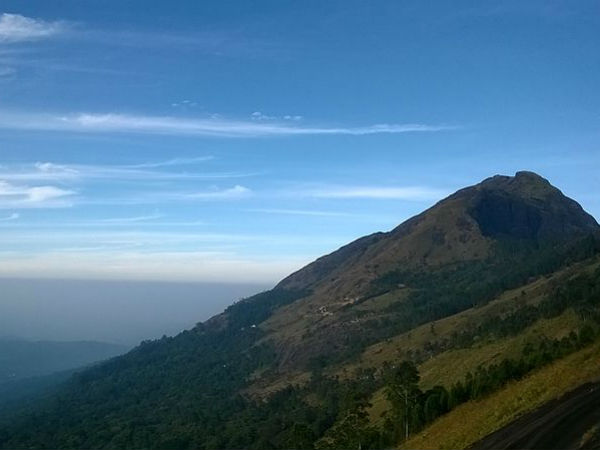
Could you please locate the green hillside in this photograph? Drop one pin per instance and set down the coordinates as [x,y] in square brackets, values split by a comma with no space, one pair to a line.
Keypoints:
[383,339]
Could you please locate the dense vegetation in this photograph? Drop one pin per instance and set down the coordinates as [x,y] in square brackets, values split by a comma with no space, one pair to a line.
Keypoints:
[183,392]
[450,290]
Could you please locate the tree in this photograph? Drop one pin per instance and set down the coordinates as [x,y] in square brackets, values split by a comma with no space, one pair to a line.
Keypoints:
[402,391]
[351,431]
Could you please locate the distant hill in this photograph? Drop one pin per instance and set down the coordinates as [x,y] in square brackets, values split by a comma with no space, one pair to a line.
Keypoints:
[21,358]
[481,300]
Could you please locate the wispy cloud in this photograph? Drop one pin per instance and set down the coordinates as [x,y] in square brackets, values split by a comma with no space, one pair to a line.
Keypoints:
[135,219]
[18,28]
[415,193]
[10,217]
[299,212]
[215,127]
[235,192]
[172,162]
[108,223]
[257,115]
[143,171]
[19,196]
[154,197]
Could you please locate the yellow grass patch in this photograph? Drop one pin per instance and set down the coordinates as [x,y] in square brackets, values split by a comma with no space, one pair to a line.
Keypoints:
[474,420]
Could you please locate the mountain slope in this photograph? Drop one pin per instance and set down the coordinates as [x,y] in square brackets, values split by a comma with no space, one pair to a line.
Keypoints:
[458,228]
[266,372]
[477,234]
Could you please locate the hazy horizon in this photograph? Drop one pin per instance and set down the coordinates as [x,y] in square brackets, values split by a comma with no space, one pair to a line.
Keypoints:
[122,312]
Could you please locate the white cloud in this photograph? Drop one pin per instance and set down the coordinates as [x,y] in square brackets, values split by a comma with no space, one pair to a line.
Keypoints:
[215,127]
[415,193]
[69,172]
[13,216]
[56,169]
[300,212]
[232,193]
[17,28]
[123,220]
[44,193]
[172,162]
[15,196]
[165,196]
[136,222]
[257,115]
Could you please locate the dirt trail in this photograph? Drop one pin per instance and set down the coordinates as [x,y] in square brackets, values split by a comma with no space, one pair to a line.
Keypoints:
[570,422]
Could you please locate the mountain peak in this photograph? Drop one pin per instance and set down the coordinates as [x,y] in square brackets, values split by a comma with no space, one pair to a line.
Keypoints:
[526,206]
[461,227]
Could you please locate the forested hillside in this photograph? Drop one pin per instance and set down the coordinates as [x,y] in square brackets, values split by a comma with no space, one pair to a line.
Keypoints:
[364,348]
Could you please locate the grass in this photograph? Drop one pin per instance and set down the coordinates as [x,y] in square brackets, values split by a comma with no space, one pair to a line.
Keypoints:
[474,420]
[400,347]
[451,366]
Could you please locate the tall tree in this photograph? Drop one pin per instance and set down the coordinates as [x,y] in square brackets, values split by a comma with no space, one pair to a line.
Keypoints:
[402,391]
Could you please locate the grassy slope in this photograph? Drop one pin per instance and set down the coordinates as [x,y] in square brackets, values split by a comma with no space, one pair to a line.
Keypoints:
[449,367]
[417,339]
[474,420]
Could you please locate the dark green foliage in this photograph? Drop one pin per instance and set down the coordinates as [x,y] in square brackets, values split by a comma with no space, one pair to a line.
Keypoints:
[256,309]
[455,288]
[489,379]
[581,293]
[402,391]
[187,391]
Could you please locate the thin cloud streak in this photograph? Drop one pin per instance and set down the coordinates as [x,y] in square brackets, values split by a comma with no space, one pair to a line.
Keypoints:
[103,223]
[172,162]
[64,172]
[21,196]
[235,192]
[120,123]
[10,218]
[128,220]
[300,212]
[411,193]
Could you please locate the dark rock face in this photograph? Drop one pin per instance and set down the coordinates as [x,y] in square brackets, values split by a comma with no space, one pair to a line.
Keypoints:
[527,206]
[502,215]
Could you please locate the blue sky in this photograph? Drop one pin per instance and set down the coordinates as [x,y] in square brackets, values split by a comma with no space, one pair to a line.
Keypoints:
[237,141]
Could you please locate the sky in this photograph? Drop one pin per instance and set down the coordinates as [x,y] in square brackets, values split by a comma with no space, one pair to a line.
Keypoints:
[236,141]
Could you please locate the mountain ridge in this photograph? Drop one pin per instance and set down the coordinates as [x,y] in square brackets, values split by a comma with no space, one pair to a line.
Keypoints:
[525,184]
